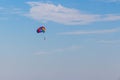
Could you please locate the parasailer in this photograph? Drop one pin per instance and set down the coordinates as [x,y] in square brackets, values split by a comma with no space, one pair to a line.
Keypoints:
[41,29]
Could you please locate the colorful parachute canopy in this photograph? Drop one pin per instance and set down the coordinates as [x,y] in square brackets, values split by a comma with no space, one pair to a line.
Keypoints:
[41,29]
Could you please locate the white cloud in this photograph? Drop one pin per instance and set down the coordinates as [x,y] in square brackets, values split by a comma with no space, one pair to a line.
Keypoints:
[90,32]
[58,13]
[69,16]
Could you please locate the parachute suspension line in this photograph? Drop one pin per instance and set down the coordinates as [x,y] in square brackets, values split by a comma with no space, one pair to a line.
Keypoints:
[44,37]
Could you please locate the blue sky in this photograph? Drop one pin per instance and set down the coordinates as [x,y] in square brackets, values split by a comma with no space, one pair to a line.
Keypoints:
[82,40]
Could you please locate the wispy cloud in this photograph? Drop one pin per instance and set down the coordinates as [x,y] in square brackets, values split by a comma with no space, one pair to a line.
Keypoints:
[42,52]
[110,0]
[9,11]
[109,17]
[109,41]
[70,48]
[69,16]
[6,12]
[59,50]
[90,32]
[3,18]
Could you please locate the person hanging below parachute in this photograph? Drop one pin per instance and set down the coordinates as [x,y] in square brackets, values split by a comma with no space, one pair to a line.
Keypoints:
[41,29]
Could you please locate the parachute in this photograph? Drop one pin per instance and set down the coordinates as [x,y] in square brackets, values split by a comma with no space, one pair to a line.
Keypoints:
[41,29]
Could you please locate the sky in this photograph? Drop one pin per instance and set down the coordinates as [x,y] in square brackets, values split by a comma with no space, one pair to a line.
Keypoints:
[82,40]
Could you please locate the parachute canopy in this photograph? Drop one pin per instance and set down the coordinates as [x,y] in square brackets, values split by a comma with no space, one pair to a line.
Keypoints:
[41,29]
